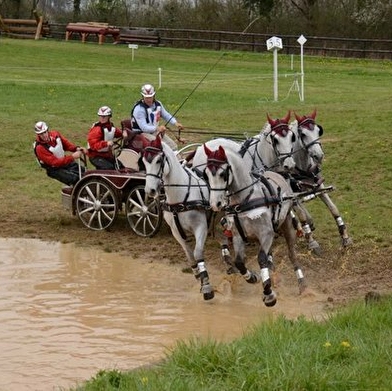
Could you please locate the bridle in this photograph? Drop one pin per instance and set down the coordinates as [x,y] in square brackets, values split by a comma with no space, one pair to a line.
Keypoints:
[309,124]
[213,164]
[149,154]
[282,130]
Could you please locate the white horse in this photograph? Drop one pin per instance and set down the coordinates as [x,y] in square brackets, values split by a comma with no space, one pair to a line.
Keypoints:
[273,150]
[308,157]
[185,205]
[255,207]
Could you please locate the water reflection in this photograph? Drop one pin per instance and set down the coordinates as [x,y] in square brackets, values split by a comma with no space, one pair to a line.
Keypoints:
[67,312]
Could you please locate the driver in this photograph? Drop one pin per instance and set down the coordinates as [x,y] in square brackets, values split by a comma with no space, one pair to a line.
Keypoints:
[100,141]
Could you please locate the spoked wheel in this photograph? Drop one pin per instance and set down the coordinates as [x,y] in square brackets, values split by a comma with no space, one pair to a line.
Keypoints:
[144,214]
[187,151]
[96,205]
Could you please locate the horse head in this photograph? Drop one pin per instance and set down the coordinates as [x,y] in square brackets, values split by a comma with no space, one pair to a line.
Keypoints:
[309,133]
[282,140]
[154,161]
[217,173]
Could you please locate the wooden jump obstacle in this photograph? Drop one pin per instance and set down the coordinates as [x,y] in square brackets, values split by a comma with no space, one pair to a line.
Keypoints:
[139,36]
[25,28]
[100,30]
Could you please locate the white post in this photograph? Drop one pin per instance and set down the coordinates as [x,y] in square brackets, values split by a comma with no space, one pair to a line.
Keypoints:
[133,47]
[159,78]
[275,75]
[275,44]
[301,40]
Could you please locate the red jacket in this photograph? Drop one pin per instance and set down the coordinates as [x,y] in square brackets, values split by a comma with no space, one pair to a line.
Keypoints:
[98,138]
[49,153]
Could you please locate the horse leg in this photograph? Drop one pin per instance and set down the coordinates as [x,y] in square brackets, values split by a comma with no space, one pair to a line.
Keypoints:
[269,296]
[307,227]
[346,240]
[206,289]
[239,261]
[290,237]
[226,241]
[199,268]
[195,258]
[264,259]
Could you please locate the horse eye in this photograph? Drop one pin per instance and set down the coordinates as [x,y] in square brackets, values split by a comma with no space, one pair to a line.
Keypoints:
[159,161]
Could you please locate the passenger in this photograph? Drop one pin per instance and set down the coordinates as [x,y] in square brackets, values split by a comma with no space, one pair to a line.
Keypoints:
[101,139]
[50,147]
[147,113]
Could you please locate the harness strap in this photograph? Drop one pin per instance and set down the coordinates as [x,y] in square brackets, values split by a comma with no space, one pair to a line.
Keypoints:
[183,207]
[240,229]
[179,226]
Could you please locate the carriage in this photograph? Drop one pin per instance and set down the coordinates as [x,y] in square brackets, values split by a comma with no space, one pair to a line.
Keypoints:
[100,195]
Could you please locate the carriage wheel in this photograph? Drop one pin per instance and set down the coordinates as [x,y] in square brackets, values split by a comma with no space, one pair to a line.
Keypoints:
[144,214]
[96,205]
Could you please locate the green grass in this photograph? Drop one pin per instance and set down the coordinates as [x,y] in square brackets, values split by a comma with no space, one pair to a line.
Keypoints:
[350,350]
[64,83]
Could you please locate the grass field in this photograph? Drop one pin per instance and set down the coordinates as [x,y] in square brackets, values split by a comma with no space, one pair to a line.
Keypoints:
[64,83]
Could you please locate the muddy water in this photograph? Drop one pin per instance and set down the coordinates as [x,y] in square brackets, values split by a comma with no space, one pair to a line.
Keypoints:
[66,312]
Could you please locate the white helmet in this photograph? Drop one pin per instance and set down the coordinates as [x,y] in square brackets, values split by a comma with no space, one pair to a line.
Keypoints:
[105,111]
[148,91]
[40,127]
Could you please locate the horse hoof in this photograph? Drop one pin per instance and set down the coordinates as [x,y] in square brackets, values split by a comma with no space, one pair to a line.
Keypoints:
[208,296]
[347,242]
[316,251]
[207,291]
[270,300]
[251,278]
[302,286]
[232,270]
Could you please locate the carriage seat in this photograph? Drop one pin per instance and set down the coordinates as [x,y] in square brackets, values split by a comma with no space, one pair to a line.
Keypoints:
[130,155]
[136,140]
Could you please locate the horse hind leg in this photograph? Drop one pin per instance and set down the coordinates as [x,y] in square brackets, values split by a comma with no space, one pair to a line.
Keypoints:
[225,241]
[290,237]
[346,240]
[307,226]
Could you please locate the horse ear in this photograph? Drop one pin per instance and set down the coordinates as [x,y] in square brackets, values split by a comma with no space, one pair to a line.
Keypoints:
[287,118]
[221,153]
[270,120]
[299,118]
[157,143]
[207,150]
[313,115]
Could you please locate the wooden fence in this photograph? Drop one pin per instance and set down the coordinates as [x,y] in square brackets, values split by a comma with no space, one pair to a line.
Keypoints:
[226,40]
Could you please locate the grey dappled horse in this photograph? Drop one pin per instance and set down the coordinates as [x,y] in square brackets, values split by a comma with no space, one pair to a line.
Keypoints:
[255,208]
[185,205]
[273,150]
[308,156]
